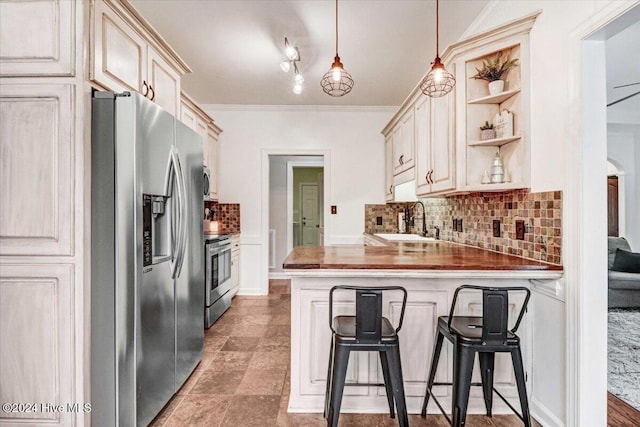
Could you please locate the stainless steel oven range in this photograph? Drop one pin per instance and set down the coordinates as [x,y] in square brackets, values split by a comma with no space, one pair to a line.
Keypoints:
[217,258]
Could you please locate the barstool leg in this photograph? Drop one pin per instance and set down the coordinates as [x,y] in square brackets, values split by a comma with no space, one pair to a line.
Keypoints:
[432,373]
[395,369]
[516,357]
[328,390]
[341,360]
[463,358]
[387,382]
[487,363]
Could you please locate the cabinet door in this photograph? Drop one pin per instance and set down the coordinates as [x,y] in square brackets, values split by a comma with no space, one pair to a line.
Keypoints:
[188,116]
[235,272]
[442,143]
[212,155]
[37,38]
[408,139]
[164,82]
[119,55]
[398,155]
[388,167]
[37,333]
[36,169]
[423,146]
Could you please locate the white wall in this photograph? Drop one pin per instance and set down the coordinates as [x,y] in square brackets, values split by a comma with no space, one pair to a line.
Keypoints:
[351,135]
[623,148]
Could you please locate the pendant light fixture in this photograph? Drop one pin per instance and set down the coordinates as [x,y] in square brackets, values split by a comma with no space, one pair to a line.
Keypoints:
[336,81]
[438,81]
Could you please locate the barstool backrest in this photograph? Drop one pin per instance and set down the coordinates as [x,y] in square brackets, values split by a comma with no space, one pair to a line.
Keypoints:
[368,311]
[495,311]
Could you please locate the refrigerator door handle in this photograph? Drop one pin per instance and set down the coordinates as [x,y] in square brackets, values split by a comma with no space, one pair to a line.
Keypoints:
[184,215]
[173,191]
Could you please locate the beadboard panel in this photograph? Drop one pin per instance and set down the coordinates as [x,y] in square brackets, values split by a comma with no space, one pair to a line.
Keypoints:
[36,177]
[36,324]
[37,38]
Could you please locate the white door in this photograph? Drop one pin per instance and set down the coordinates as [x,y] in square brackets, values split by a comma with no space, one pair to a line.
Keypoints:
[309,212]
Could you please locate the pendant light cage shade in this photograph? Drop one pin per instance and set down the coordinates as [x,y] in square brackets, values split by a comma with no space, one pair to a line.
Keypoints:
[337,81]
[438,81]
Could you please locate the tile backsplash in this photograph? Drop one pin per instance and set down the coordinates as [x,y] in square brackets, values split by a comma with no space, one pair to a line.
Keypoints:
[227,215]
[541,213]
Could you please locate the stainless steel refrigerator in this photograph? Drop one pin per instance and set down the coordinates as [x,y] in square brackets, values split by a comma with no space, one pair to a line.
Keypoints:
[147,259]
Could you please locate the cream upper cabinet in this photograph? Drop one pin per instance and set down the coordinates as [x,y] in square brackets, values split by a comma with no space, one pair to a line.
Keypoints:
[403,143]
[194,117]
[119,53]
[388,168]
[423,145]
[127,55]
[213,145]
[37,38]
[164,83]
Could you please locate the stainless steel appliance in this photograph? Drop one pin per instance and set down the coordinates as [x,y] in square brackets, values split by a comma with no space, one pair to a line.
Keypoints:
[206,185]
[147,261]
[217,284]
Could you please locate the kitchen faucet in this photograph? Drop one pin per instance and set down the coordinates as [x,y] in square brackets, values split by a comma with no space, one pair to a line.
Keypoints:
[424,220]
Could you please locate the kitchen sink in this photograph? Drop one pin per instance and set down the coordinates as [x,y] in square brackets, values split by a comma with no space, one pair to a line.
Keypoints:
[396,237]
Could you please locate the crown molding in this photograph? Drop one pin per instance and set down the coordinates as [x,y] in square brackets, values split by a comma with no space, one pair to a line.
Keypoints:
[317,108]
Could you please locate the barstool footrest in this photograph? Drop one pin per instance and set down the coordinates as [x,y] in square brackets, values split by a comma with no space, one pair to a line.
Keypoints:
[473,384]
[364,384]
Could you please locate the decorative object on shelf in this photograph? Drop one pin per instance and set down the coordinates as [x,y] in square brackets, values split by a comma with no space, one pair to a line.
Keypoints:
[503,123]
[507,176]
[336,81]
[485,177]
[293,57]
[492,71]
[487,131]
[497,170]
[438,81]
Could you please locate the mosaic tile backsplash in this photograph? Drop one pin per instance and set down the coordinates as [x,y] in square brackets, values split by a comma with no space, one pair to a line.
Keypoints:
[227,215]
[541,213]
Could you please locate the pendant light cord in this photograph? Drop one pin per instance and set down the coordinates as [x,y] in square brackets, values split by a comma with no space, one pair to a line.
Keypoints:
[336,27]
[437,27]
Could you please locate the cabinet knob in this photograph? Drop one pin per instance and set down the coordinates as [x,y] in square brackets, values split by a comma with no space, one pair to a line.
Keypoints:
[153,93]
[145,88]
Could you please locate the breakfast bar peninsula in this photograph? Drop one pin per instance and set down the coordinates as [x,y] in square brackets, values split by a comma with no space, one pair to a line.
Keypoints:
[430,271]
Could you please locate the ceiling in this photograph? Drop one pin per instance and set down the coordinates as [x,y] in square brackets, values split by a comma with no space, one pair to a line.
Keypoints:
[623,68]
[235,47]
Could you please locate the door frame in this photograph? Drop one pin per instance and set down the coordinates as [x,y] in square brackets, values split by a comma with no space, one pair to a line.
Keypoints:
[620,174]
[585,258]
[290,166]
[263,285]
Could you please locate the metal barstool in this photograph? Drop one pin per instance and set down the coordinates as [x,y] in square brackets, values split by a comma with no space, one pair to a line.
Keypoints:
[486,335]
[368,330]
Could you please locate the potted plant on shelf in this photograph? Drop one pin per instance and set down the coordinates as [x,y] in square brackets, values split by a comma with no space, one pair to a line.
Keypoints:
[493,70]
[487,131]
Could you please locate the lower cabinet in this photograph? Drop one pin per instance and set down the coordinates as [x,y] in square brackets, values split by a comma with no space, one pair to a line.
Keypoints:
[235,264]
[428,299]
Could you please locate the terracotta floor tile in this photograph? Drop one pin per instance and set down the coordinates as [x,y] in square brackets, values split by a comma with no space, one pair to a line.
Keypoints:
[278,331]
[252,411]
[195,375]
[279,343]
[203,410]
[166,412]
[257,319]
[281,319]
[270,360]
[222,329]
[262,382]
[231,361]
[243,330]
[240,344]
[214,342]
[250,301]
[217,382]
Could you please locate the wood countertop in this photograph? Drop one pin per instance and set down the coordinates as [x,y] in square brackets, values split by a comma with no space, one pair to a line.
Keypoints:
[438,255]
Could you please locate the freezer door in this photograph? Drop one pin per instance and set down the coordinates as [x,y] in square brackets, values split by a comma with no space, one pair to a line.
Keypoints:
[154,133]
[189,284]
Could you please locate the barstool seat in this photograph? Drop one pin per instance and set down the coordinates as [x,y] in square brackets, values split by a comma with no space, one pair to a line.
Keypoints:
[468,329]
[368,330]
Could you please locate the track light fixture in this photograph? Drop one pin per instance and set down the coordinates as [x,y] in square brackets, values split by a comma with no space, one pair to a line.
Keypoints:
[293,57]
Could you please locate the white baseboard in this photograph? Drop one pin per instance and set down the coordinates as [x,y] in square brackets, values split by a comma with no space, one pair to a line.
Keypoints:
[543,415]
[278,275]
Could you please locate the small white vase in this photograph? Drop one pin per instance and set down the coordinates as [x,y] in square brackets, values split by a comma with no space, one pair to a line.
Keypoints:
[496,87]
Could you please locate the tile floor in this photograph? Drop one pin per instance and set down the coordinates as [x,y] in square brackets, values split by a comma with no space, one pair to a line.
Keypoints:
[243,379]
